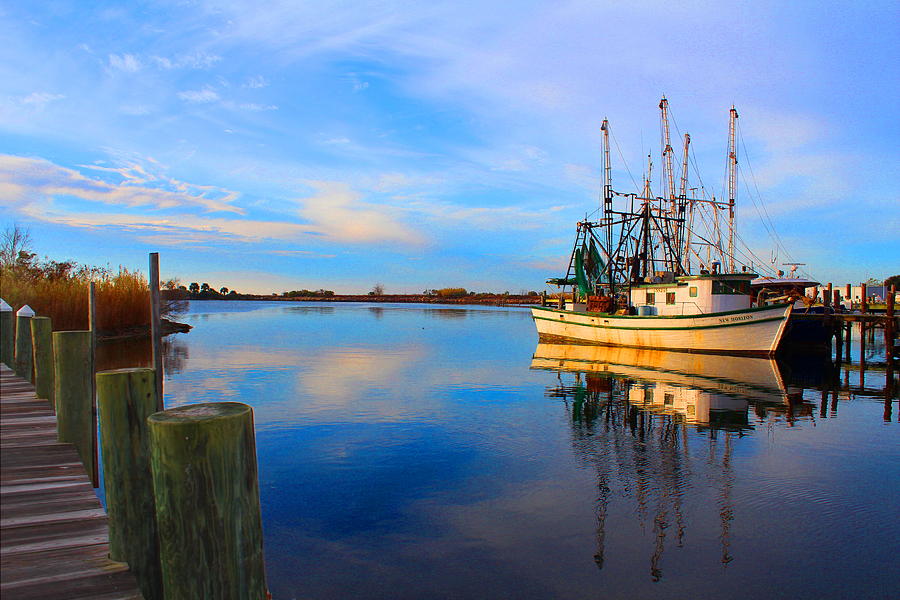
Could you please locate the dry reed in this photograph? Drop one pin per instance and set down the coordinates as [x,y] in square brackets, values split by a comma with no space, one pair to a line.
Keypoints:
[123,298]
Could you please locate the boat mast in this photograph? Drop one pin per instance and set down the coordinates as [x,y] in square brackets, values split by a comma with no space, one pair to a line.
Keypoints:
[607,203]
[732,183]
[682,193]
[668,178]
[648,194]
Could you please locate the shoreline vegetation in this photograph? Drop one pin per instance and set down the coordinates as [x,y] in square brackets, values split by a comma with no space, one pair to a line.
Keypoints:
[59,290]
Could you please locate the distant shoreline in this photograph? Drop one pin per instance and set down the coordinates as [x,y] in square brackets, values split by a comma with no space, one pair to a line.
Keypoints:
[492,300]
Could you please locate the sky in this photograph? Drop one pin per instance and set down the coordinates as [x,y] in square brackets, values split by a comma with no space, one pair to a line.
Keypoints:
[325,144]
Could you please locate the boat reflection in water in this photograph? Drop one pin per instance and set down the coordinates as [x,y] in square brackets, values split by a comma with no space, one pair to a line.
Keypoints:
[698,389]
[660,428]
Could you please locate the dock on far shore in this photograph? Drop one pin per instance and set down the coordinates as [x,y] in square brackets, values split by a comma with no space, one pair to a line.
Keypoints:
[54,540]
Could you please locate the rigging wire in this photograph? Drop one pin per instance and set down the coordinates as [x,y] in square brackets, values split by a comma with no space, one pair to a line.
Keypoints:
[622,158]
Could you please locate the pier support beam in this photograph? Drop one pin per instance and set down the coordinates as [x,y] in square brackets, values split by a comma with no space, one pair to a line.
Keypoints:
[7,335]
[203,459]
[125,398]
[74,405]
[24,361]
[42,344]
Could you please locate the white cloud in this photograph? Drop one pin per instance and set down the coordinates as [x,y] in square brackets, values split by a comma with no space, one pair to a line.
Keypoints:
[23,179]
[128,63]
[198,60]
[256,82]
[339,213]
[40,99]
[203,96]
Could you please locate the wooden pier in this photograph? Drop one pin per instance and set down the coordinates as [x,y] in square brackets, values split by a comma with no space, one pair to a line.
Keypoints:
[54,541]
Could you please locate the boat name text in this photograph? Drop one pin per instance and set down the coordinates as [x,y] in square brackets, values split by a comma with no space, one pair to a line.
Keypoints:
[733,319]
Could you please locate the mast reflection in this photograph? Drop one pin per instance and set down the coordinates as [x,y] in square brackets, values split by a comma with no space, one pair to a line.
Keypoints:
[632,412]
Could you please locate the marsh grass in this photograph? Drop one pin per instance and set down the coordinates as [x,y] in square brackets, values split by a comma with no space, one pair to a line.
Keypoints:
[123,298]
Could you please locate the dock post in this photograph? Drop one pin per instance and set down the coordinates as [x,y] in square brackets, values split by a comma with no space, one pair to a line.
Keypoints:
[838,340]
[203,460]
[72,378]
[156,329]
[42,344]
[864,299]
[125,398]
[7,334]
[889,325]
[826,295]
[24,353]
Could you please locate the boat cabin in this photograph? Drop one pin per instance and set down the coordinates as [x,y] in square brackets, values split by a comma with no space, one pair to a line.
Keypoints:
[694,294]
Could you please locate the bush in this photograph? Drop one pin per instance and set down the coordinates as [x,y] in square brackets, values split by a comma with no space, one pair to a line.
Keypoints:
[451,292]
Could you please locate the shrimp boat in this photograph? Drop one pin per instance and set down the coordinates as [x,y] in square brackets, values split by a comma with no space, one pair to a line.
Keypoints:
[630,270]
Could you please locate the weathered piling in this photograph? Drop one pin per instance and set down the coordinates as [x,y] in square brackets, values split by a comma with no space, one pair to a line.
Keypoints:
[125,398]
[156,328]
[24,360]
[826,295]
[74,405]
[889,325]
[7,334]
[203,459]
[42,345]
[864,298]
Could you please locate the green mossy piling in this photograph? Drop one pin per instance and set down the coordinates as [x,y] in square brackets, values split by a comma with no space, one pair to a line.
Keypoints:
[24,360]
[42,347]
[7,338]
[125,398]
[72,379]
[203,459]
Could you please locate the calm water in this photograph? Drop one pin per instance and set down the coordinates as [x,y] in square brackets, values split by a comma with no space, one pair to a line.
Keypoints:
[411,451]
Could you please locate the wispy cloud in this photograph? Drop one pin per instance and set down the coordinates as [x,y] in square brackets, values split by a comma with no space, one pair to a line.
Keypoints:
[24,178]
[128,63]
[40,99]
[202,96]
[197,60]
[256,82]
[340,213]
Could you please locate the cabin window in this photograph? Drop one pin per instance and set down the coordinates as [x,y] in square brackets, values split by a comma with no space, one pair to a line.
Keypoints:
[669,399]
[730,287]
[693,291]
[670,297]
[648,395]
[651,298]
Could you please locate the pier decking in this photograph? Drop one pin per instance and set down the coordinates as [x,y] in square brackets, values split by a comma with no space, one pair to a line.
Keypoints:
[53,529]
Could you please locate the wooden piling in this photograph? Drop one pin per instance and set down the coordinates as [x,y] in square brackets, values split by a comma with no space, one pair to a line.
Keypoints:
[889,325]
[826,295]
[203,459]
[74,410]
[7,334]
[125,398]
[836,299]
[24,360]
[864,299]
[848,293]
[156,329]
[42,345]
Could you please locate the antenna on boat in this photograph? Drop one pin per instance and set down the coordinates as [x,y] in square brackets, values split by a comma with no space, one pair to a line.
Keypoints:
[732,183]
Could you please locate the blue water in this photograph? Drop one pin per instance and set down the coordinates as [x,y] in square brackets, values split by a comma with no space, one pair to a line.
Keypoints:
[413,451]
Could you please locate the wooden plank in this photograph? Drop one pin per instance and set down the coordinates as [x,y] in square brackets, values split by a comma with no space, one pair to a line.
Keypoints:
[54,540]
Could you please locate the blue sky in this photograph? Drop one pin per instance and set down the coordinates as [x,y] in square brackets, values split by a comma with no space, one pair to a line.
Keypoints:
[291,145]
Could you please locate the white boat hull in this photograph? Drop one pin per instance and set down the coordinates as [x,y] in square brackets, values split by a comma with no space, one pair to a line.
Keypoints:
[751,332]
